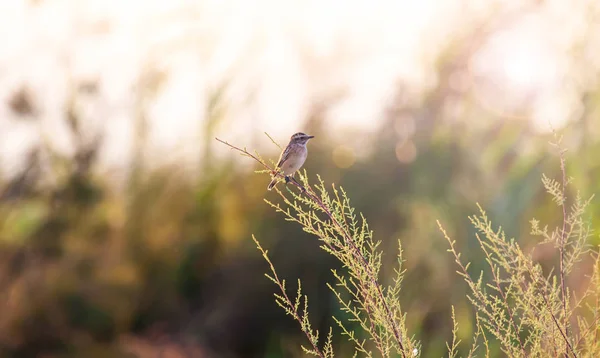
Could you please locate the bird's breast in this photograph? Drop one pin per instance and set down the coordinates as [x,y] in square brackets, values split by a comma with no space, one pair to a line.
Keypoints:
[294,162]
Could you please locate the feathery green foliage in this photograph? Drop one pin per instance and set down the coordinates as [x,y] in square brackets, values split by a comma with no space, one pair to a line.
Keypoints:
[367,303]
[532,312]
[529,311]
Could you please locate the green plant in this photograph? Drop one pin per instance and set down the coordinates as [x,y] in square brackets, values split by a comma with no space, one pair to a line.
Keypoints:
[533,312]
[366,302]
[530,312]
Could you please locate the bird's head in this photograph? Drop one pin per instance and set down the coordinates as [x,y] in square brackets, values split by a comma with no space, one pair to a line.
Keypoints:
[301,138]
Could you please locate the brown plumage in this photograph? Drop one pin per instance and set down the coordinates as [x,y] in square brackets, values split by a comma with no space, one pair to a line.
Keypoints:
[293,156]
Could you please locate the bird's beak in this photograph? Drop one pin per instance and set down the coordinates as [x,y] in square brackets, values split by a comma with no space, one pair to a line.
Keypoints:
[311,136]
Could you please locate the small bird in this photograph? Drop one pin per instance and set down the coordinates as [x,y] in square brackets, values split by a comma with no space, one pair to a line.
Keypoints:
[293,156]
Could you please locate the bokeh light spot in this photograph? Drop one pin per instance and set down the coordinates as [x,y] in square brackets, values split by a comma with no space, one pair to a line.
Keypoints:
[343,156]
[405,126]
[406,151]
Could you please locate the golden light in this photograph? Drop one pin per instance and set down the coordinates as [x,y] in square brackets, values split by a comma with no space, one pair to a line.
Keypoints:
[343,156]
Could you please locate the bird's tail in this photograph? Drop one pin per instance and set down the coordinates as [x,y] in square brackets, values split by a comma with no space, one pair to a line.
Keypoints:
[272,184]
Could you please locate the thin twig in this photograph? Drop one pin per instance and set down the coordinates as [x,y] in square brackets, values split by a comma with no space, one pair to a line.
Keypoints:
[548,306]
[562,239]
[272,140]
[588,330]
[502,294]
[562,242]
[292,308]
[365,292]
[466,275]
[377,339]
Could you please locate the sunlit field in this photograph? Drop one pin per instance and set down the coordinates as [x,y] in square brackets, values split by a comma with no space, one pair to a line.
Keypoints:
[126,227]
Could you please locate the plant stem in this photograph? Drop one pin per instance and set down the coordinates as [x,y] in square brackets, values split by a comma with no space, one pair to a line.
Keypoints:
[356,251]
[562,243]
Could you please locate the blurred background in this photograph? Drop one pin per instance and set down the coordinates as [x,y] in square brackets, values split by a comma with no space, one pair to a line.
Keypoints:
[125,228]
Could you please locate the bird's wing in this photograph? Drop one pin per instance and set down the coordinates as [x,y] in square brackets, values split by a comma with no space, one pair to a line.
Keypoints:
[283,157]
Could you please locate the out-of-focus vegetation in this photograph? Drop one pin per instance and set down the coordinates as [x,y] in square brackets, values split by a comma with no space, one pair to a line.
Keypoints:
[157,256]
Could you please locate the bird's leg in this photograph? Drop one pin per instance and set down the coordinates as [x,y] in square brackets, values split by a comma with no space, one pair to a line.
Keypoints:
[298,184]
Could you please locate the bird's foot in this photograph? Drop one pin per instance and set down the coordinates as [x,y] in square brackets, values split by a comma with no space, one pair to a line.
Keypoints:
[287,179]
